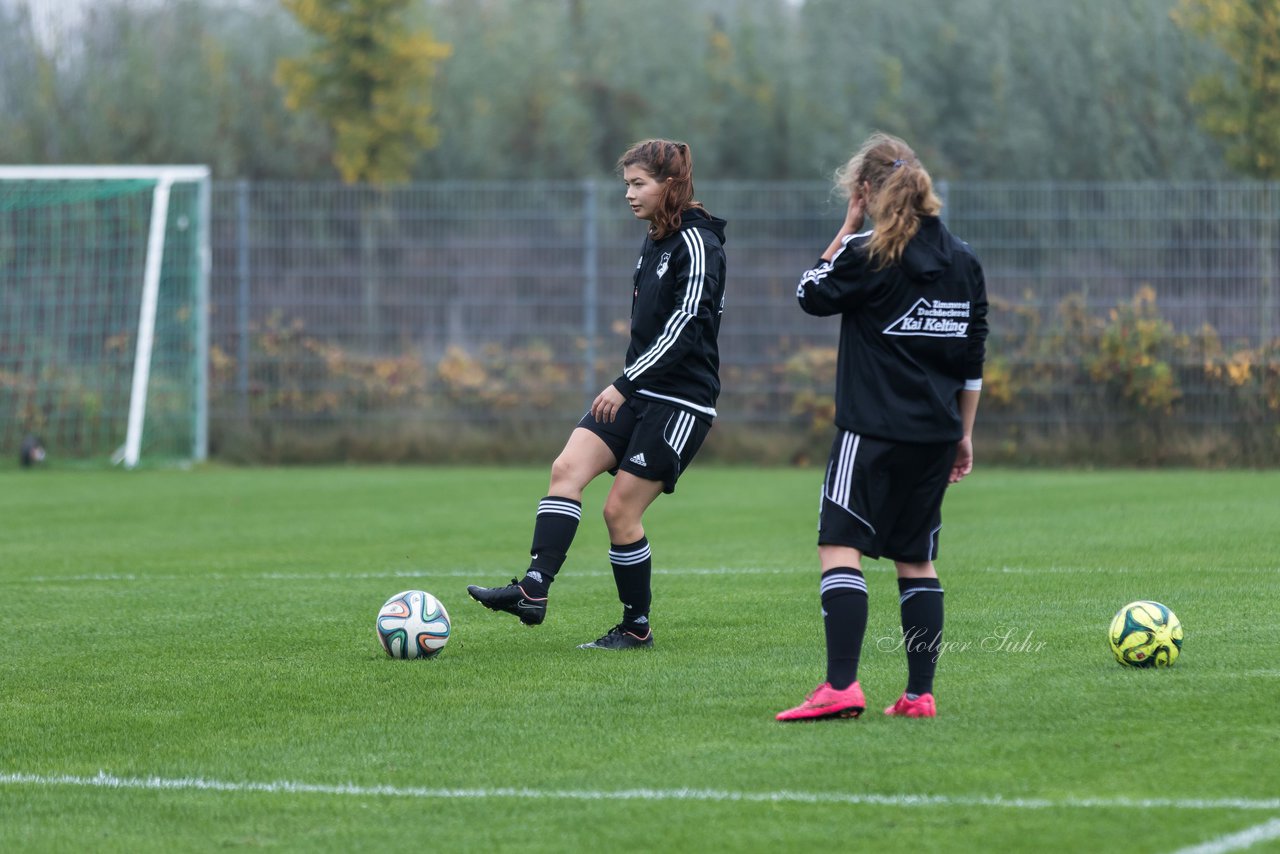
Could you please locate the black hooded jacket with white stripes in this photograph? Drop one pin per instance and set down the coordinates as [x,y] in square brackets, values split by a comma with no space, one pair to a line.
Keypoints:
[677,298]
[912,333]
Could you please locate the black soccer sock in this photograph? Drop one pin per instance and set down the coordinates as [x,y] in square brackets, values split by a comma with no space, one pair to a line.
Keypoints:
[844,616]
[553,532]
[632,570]
[921,604]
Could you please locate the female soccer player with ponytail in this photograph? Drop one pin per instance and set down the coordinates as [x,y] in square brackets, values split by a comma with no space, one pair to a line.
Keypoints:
[645,427]
[913,306]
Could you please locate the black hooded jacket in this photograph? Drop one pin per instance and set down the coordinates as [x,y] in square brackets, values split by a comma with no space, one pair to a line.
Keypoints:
[912,334]
[677,298]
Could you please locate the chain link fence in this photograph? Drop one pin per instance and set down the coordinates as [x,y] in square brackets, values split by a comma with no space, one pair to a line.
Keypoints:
[475,321]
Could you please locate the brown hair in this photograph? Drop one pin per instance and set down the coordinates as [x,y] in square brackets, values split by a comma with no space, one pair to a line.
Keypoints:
[670,163]
[900,193]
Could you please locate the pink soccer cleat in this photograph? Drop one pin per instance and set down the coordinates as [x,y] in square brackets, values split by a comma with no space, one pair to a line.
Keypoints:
[827,702]
[921,707]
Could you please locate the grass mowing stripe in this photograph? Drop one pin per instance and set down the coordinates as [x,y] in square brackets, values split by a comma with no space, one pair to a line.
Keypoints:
[110,781]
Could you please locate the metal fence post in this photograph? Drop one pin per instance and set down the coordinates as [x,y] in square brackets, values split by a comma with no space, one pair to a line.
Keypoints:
[590,288]
[1267,282]
[242,297]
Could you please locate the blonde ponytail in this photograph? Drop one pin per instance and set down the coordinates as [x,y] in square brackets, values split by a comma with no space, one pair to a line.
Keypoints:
[900,192]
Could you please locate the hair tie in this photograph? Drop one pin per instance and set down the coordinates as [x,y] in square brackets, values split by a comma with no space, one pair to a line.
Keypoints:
[898,163]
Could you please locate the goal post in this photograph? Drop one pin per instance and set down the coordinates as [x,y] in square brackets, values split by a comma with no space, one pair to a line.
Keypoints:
[104,310]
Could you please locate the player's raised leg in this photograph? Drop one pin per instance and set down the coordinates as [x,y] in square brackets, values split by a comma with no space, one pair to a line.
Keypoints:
[584,457]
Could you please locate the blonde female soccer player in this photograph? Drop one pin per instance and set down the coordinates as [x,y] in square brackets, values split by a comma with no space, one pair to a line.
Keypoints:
[913,306]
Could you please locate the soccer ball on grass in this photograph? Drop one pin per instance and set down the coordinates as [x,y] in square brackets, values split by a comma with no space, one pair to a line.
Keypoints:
[413,624]
[1145,634]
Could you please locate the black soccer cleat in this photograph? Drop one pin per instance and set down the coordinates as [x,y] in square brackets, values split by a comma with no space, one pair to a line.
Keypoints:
[511,599]
[620,637]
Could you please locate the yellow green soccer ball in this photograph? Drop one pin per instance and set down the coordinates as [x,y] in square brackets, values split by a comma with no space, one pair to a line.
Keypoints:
[1145,634]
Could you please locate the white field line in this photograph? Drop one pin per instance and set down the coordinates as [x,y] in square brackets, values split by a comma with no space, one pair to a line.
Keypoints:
[110,781]
[1246,838]
[882,566]
[351,576]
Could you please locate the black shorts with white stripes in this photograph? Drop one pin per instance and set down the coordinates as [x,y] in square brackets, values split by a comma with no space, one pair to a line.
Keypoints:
[885,498]
[651,440]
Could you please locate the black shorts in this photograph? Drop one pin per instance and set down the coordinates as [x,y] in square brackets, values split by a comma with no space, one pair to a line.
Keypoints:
[651,440]
[885,498]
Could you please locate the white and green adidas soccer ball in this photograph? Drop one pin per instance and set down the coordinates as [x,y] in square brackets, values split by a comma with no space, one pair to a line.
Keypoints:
[1145,634]
[413,624]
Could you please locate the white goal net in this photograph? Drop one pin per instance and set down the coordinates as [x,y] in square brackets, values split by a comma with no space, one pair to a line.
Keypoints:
[104,294]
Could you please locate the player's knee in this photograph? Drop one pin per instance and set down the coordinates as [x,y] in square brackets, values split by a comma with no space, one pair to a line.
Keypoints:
[613,512]
[565,473]
[621,520]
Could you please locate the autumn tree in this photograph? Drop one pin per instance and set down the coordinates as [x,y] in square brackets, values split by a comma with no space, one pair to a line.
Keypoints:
[1242,104]
[368,77]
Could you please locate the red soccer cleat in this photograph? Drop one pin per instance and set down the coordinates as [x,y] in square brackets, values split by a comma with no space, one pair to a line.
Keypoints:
[921,707]
[827,702]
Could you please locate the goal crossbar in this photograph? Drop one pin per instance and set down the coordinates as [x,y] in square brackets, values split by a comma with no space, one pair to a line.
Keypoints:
[104,173]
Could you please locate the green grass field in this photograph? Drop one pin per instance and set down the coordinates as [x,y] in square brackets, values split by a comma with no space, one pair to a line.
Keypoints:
[190,664]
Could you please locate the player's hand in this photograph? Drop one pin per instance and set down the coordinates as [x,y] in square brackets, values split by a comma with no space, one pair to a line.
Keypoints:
[855,214]
[964,460]
[853,219]
[605,406]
